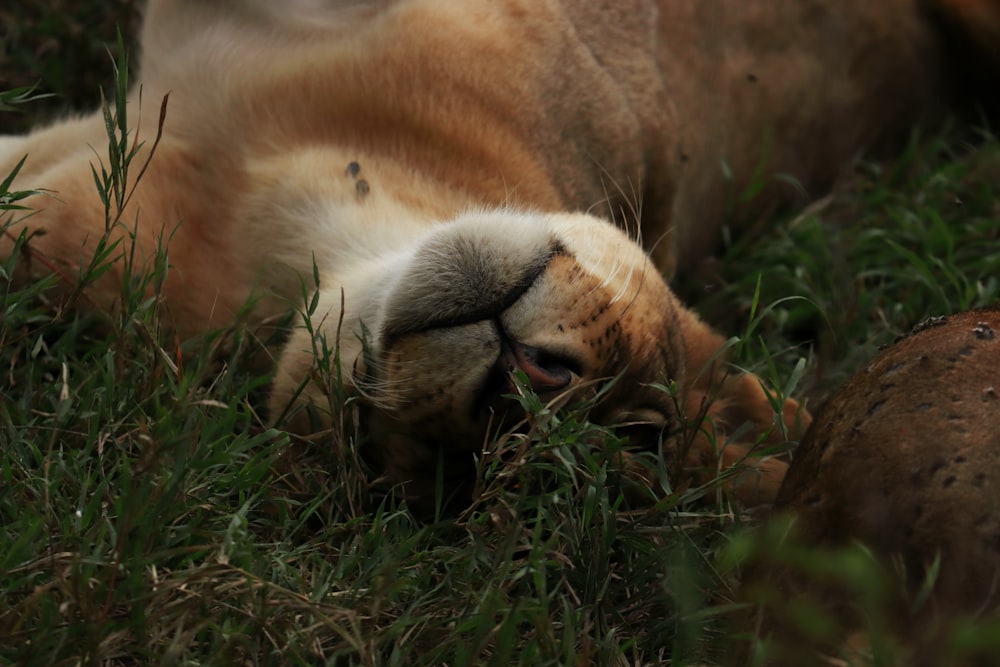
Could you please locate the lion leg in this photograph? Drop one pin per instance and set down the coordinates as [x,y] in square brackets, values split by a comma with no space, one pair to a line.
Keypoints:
[74,138]
[734,420]
[171,217]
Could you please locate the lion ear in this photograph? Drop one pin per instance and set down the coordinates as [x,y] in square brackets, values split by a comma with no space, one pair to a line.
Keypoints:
[733,420]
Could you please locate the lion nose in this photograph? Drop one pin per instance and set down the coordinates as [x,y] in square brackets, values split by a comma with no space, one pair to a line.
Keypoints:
[545,370]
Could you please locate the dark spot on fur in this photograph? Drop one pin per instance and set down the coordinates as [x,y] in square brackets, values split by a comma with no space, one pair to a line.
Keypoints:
[983,331]
[894,368]
[938,465]
[979,480]
[560,328]
[989,394]
[958,459]
[875,407]
[966,351]
[353,169]
[948,481]
[812,501]
[362,187]
[751,77]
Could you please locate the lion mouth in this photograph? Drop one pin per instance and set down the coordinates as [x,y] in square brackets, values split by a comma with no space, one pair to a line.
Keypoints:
[547,372]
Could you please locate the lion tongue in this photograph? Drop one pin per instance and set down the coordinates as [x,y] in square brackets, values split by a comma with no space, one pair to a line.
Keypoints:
[529,360]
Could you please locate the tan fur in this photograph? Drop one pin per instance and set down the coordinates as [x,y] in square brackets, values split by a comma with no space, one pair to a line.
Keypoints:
[481,127]
[904,459]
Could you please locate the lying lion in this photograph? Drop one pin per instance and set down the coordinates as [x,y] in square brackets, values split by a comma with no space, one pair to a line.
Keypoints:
[487,186]
[932,402]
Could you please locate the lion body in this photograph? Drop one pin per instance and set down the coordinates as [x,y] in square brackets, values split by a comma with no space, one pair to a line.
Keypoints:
[904,459]
[360,136]
[656,116]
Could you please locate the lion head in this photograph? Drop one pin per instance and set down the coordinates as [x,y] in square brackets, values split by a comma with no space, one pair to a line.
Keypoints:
[567,300]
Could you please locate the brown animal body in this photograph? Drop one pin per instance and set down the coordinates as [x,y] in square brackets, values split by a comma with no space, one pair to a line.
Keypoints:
[453,169]
[905,459]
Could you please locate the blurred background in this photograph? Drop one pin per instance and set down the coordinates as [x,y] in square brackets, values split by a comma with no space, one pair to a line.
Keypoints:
[65,48]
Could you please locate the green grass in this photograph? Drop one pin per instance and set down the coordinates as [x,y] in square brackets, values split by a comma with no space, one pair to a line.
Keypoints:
[62,46]
[894,244]
[149,515]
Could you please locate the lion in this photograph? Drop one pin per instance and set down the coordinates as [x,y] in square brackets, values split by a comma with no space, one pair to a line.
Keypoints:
[902,459]
[487,189]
